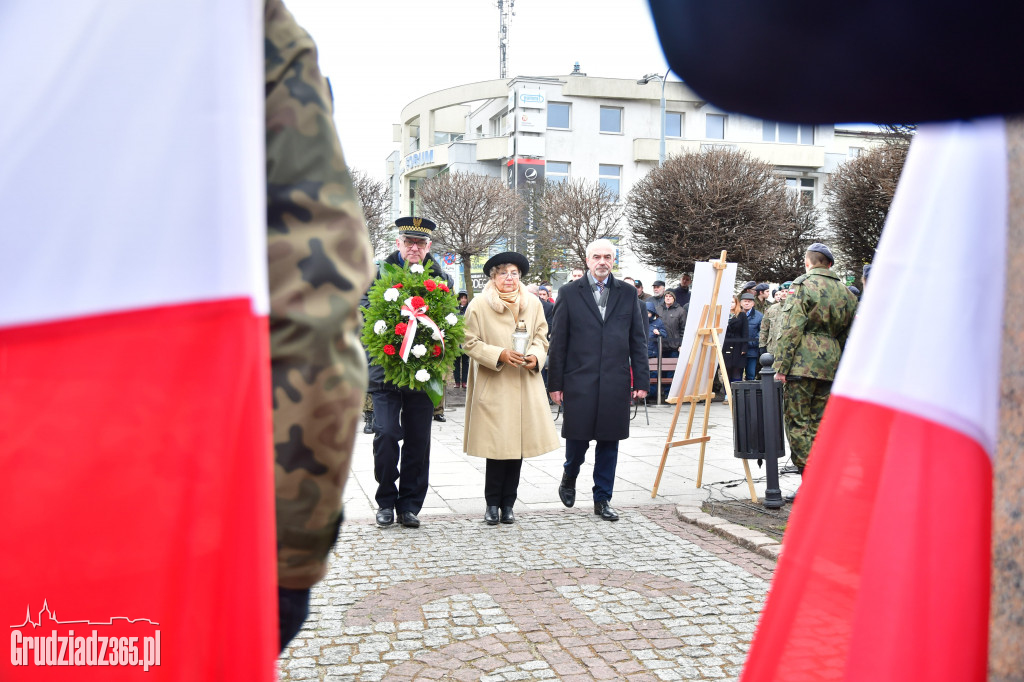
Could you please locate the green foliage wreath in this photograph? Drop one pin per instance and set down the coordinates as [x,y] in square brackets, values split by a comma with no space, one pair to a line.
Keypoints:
[385,327]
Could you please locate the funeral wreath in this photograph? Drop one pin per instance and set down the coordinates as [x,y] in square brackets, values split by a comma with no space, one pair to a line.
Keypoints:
[412,328]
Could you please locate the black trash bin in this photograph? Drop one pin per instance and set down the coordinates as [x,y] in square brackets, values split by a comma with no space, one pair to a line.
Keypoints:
[757,425]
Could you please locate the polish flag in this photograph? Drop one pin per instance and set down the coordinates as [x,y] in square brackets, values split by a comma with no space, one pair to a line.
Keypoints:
[885,568]
[135,451]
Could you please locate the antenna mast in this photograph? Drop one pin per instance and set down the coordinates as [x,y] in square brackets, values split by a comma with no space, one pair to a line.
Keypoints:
[505,14]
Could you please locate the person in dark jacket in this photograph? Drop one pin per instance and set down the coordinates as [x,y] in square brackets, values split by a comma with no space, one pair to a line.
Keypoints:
[734,349]
[400,413]
[673,316]
[461,370]
[748,303]
[597,366]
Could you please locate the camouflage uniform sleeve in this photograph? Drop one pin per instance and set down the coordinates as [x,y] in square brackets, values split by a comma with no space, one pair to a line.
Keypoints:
[319,263]
[792,330]
[766,324]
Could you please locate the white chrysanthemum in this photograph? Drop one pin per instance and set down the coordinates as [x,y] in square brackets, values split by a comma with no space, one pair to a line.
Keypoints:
[422,376]
[416,268]
[391,295]
[379,327]
[450,318]
[437,335]
[419,350]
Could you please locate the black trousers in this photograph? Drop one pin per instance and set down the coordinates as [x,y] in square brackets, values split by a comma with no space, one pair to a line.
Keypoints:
[501,481]
[401,472]
[462,369]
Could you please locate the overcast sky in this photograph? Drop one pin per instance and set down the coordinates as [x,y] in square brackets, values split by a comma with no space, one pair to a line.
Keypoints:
[382,55]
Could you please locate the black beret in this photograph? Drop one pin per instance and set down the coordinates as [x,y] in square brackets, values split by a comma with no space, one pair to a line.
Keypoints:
[854,290]
[818,247]
[762,287]
[748,285]
[415,227]
[508,257]
[866,272]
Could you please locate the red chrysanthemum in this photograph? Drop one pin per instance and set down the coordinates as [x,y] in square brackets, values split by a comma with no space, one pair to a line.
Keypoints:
[437,351]
[400,328]
[389,349]
[418,302]
[443,287]
[430,284]
[398,286]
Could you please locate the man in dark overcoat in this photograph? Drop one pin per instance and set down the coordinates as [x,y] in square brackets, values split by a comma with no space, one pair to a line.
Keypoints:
[597,363]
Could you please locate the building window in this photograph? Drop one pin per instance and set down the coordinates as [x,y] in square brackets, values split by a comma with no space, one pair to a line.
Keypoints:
[803,188]
[611,120]
[790,133]
[854,152]
[556,171]
[610,177]
[558,115]
[715,126]
[673,124]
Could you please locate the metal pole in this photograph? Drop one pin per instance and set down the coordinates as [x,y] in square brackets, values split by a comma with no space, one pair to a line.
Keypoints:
[661,148]
[772,436]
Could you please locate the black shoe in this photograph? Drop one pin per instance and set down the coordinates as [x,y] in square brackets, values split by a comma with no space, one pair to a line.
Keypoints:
[440,418]
[507,516]
[491,515]
[408,519]
[368,422]
[567,490]
[385,517]
[605,511]
[791,498]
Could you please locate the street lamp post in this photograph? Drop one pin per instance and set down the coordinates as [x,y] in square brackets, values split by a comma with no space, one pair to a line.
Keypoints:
[644,81]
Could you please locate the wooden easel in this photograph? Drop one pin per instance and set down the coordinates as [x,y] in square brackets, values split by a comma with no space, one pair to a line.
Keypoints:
[707,354]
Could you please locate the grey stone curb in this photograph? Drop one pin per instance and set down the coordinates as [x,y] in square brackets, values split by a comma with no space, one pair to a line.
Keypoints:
[744,537]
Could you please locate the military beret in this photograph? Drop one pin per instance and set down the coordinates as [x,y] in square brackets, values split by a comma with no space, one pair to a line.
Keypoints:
[510,257]
[866,272]
[658,283]
[415,227]
[748,285]
[787,285]
[818,247]
[761,287]
[748,297]
[854,290]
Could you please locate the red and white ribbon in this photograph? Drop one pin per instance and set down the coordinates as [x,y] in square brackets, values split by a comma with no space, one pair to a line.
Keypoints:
[415,316]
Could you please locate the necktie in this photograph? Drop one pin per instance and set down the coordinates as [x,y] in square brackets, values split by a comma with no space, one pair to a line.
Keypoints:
[600,287]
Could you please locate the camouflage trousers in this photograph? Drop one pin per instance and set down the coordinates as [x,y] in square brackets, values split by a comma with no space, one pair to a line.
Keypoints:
[803,406]
[368,403]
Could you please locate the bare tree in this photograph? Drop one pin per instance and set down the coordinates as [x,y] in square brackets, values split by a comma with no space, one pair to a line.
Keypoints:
[784,258]
[472,213]
[859,194]
[574,213]
[699,203]
[375,197]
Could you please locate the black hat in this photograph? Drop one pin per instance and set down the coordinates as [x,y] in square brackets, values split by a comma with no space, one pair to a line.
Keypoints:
[748,297]
[637,283]
[415,227]
[818,247]
[762,287]
[748,285]
[462,292]
[658,283]
[512,257]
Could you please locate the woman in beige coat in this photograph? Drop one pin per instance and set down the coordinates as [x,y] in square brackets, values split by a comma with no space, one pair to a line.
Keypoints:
[507,413]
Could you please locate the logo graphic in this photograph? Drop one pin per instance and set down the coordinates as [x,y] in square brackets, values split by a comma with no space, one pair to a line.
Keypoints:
[64,648]
[531,174]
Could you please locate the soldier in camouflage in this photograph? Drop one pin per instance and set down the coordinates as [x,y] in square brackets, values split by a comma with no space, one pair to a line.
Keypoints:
[816,319]
[319,264]
[771,325]
[762,303]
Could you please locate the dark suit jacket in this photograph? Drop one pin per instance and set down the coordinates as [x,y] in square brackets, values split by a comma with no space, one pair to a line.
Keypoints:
[590,359]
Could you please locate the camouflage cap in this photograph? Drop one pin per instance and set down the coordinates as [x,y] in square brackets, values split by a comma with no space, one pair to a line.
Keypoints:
[415,227]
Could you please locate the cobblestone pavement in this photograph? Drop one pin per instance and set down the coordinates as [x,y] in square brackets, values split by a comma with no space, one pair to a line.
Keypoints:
[558,595]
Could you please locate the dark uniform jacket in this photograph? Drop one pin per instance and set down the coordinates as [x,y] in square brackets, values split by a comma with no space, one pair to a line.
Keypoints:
[590,359]
[377,382]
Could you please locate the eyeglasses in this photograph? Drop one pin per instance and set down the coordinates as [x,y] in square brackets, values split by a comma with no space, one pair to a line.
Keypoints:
[508,274]
[418,243]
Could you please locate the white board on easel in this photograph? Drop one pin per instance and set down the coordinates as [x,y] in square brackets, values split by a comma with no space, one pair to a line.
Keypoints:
[700,293]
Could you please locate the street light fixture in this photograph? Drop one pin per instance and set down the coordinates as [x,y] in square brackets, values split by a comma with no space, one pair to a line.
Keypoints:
[644,81]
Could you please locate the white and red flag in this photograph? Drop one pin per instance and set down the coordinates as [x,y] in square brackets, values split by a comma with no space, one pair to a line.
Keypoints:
[885,570]
[135,454]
